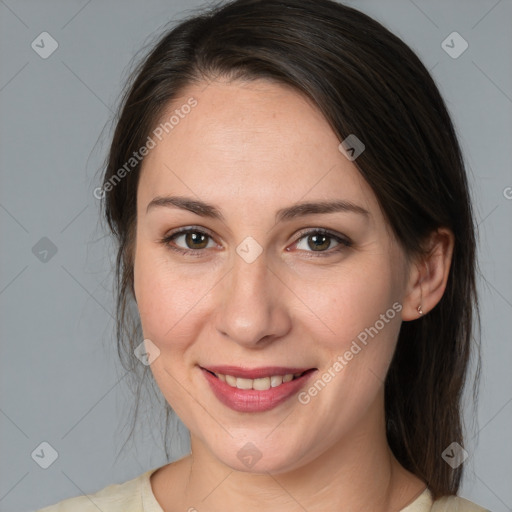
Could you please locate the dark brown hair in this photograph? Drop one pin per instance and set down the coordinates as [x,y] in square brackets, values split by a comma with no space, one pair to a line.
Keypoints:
[367,82]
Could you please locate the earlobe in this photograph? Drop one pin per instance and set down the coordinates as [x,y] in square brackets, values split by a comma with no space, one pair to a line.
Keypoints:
[413,300]
[429,275]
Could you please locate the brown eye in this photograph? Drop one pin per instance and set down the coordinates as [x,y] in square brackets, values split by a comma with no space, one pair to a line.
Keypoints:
[320,241]
[188,240]
[196,240]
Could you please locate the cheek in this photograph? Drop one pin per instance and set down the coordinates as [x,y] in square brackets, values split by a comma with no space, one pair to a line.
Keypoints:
[350,301]
[362,308]
[170,315]
[167,301]
[364,313]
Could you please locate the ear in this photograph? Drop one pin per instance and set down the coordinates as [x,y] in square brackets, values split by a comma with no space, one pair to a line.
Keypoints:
[428,275]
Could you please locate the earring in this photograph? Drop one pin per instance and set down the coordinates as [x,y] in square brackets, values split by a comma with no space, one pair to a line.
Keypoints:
[420,311]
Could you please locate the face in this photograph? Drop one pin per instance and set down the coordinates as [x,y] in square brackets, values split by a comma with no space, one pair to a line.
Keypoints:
[232,276]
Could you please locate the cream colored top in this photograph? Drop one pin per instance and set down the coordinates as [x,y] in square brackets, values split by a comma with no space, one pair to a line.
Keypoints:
[136,495]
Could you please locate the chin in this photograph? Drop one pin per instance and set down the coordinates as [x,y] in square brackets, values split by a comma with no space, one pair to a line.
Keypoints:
[259,457]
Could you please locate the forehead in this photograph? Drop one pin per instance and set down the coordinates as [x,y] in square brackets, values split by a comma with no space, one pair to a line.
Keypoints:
[261,142]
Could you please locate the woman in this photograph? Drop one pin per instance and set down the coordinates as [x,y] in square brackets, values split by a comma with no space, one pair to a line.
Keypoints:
[295,227]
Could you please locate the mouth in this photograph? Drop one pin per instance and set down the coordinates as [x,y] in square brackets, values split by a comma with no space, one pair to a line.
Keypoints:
[272,379]
[255,390]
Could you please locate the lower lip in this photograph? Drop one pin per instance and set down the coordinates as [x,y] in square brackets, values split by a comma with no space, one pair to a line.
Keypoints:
[252,400]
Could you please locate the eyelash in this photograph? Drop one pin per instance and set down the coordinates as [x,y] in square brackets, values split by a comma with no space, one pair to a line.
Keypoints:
[343,242]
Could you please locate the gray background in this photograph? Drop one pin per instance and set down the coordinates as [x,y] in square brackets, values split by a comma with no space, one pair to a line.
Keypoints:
[60,379]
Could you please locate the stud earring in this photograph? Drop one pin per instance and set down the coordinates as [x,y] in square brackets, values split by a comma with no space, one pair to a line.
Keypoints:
[420,311]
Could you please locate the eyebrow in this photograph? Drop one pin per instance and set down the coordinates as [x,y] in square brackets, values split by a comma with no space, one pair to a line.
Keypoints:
[284,214]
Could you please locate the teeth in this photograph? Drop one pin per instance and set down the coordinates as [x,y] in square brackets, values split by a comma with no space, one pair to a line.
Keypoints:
[230,380]
[276,380]
[261,384]
[243,383]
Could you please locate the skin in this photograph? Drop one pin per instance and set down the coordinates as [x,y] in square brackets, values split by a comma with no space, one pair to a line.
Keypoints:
[250,149]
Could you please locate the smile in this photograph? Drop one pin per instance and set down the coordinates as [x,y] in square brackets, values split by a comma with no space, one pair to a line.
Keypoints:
[255,390]
[261,384]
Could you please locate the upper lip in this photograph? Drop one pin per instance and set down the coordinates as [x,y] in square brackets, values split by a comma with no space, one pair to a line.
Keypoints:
[254,373]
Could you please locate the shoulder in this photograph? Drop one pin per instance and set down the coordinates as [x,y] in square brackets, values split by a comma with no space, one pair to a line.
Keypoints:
[125,497]
[455,504]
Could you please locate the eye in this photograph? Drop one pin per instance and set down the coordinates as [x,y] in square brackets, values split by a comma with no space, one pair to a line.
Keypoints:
[320,241]
[192,240]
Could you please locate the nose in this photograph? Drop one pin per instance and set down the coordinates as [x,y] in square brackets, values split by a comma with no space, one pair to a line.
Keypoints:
[252,309]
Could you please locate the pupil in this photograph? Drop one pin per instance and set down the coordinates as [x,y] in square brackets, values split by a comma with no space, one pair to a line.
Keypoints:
[322,239]
[195,238]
